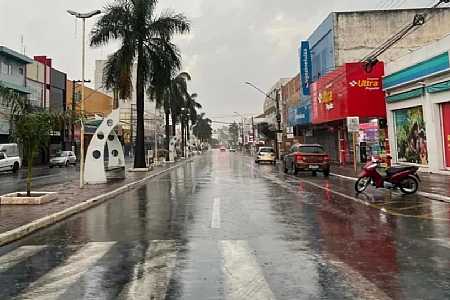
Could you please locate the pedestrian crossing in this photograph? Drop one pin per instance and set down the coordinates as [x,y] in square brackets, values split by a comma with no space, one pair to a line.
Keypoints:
[164,269]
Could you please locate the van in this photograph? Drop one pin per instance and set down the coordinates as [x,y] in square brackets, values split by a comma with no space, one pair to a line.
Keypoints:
[10,150]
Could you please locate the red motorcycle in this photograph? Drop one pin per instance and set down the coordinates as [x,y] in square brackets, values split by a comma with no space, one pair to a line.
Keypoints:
[405,178]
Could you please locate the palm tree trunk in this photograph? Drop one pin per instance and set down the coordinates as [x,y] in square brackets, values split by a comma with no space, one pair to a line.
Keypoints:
[182,138]
[174,125]
[29,172]
[167,134]
[139,151]
[188,133]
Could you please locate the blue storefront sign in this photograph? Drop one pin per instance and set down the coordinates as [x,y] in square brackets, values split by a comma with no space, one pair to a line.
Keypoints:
[291,116]
[305,67]
[303,115]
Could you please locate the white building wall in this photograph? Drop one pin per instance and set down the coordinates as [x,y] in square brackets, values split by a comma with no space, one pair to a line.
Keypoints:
[430,103]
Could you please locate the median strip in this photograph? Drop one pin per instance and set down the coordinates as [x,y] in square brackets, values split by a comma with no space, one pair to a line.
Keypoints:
[24,230]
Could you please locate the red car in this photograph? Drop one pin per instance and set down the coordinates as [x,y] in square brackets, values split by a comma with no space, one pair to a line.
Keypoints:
[307,157]
[223,149]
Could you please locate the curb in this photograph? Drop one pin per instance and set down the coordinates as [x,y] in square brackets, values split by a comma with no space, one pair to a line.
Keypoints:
[431,196]
[24,230]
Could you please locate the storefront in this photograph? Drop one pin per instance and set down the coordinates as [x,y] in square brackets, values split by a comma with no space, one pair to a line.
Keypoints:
[418,107]
[346,92]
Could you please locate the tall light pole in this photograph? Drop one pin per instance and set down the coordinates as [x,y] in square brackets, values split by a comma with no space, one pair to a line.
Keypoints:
[83,16]
[278,115]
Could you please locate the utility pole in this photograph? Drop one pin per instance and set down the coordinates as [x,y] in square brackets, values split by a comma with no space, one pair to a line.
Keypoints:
[74,107]
[277,101]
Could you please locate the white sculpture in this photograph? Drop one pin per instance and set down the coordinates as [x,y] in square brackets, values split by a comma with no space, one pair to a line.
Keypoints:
[172,148]
[94,172]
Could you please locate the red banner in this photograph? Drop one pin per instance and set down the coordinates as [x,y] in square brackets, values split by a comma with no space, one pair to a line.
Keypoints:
[349,91]
[446,130]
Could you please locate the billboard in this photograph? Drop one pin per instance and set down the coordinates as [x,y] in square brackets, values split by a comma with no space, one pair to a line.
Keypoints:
[305,67]
[349,91]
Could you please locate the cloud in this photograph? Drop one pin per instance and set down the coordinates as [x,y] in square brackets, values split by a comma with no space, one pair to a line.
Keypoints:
[231,41]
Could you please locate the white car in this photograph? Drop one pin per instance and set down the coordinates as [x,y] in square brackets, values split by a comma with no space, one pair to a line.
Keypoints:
[9,163]
[63,159]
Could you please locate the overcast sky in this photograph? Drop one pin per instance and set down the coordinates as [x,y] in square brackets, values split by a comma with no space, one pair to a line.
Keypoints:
[231,41]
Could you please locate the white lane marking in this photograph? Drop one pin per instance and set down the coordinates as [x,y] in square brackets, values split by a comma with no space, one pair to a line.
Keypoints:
[442,242]
[18,255]
[215,219]
[344,177]
[151,277]
[57,281]
[243,276]
[359,283]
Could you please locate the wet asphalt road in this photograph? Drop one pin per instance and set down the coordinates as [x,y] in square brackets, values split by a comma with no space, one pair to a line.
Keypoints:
[223,228]
[42,177]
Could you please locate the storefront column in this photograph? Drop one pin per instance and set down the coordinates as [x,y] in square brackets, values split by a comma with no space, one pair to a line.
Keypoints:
[432,118]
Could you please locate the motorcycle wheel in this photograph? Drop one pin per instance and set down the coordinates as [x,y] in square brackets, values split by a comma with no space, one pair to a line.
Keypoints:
[362,184]
[409,185]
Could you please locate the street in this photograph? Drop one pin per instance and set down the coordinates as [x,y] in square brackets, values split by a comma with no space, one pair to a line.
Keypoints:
[42,176]
[222,227]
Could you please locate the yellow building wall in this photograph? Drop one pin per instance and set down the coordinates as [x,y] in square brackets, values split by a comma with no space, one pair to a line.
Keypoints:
[95,102]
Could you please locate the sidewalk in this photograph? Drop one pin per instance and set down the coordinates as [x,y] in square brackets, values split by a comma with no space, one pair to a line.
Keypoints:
[431,183]
[17,221]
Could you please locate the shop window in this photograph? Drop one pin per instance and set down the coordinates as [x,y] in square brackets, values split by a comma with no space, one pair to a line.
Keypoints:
[411,137]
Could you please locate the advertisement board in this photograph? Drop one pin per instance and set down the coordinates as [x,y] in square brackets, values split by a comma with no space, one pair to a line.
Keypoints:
[349,91]
[411,137]
[303,115]
[305,67]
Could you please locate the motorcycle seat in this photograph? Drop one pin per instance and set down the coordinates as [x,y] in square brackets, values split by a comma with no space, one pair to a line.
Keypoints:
[394,170]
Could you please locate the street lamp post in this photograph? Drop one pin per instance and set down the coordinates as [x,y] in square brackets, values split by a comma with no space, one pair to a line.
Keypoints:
[278,115]
[83,16]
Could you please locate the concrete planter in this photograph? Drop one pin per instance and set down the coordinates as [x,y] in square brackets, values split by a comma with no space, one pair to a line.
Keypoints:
[19,198]
[140,170]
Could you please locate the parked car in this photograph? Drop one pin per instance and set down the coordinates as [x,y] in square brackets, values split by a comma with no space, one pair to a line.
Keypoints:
[266,154]
[64,158]
[307,157]
[232,149]
[9,163]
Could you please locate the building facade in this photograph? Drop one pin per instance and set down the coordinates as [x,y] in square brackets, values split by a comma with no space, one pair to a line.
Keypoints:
[347,37]
[13,68]
[418,107]
[349,91]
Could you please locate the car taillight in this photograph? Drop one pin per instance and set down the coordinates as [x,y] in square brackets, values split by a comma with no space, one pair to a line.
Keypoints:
[299,158]
[326,158]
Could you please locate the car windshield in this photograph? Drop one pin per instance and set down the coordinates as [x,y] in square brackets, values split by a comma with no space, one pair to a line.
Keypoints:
[311,149]
[61,154]
[266,150]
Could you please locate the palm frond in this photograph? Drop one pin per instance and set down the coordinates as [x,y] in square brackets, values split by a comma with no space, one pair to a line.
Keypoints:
[116,23]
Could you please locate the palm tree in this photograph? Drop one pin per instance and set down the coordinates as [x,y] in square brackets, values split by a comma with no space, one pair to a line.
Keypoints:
[202,129]
[146,39]
[192,107]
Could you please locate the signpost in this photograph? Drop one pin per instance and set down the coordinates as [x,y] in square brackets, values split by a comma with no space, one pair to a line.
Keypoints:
[353,127]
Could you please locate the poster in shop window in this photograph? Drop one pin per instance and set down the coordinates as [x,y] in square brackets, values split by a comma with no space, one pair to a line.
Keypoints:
[411,136]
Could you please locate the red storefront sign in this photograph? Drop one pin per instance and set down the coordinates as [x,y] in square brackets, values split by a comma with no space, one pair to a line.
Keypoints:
[348,91]
[446,130]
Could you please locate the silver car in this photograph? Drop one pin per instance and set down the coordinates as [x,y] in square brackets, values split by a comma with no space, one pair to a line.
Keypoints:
[63,159]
